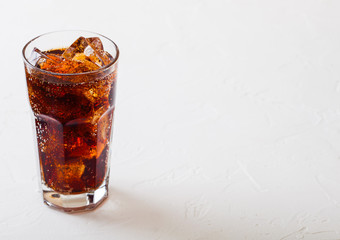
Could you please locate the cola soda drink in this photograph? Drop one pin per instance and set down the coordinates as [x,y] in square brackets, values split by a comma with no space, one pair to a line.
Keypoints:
[72,96]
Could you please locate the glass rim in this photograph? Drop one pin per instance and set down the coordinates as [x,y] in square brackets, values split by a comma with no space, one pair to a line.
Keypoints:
[71,74]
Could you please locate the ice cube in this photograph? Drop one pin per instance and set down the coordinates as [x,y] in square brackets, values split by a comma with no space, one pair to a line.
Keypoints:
[38,57]
[96,43]
[95,51]
[70,173]
[91,94]
[79,57]
[92,48]
[36,54]
[81,139]
[77,46]
[82,58]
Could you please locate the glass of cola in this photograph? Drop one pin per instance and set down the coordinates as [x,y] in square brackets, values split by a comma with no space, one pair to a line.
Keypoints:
[71,82]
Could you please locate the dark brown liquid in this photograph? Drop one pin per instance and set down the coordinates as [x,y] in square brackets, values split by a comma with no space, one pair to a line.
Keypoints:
[73,116]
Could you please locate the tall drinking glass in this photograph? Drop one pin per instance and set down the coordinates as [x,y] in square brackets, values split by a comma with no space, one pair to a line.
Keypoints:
[73,115]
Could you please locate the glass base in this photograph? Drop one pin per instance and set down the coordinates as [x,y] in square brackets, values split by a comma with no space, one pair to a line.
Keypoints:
[75,202]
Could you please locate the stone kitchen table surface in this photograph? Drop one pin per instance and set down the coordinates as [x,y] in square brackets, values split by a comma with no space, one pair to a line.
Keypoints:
[227,121]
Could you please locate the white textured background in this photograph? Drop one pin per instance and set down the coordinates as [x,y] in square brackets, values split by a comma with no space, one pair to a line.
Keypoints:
[227,124]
